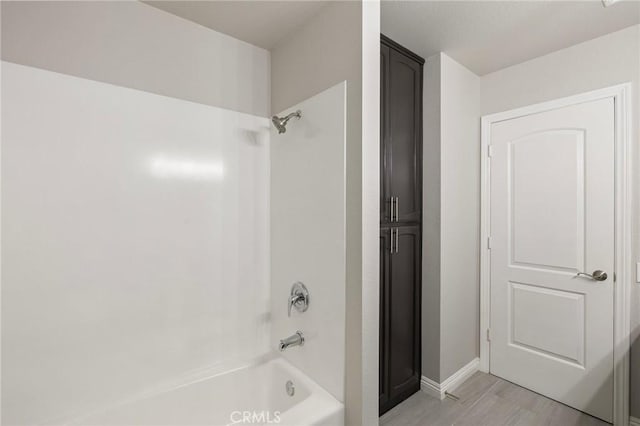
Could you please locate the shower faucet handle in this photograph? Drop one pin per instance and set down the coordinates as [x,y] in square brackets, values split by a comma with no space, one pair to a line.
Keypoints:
[299,298]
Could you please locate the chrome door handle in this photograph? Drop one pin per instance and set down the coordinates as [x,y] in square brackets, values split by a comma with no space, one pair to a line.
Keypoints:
[597,275]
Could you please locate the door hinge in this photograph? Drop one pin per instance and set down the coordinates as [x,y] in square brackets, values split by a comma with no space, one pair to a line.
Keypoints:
[490,151]
[488,334]
[488,243]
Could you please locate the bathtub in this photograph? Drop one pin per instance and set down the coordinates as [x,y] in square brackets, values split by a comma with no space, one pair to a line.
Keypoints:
[255,395]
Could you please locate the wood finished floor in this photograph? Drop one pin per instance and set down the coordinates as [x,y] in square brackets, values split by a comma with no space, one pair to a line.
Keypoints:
[486,400]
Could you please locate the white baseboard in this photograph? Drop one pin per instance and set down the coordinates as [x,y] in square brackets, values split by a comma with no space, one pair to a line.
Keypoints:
[431,388]
[634,421]
[438,390]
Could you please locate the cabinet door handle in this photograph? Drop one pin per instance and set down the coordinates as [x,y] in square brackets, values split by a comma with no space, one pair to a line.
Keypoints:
[391,251]
[397,208]
[391,200]
[397,248]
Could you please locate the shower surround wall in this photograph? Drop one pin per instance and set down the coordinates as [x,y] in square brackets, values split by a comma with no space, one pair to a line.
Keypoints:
[308,209]
[135,226]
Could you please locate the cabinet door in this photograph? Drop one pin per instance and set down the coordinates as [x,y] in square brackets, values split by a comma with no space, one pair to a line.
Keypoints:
[404,314]
[404,145]
[385,193]
[385,257]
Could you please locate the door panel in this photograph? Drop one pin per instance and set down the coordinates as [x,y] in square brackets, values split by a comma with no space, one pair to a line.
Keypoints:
[385,167]
[403,152]
[399,314]
[530,330]
[404,299]
[552,216]
[383,380]
[547,166]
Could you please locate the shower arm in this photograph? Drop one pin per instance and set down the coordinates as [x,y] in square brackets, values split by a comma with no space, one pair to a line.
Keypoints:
[294,114]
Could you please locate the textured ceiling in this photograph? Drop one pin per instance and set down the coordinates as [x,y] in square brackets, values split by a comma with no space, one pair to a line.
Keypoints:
[486,36]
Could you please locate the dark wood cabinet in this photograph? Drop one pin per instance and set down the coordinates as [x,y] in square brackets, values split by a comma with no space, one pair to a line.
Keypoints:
[400,221]
[385,277]
[400,296]
[400,136]
[385,197]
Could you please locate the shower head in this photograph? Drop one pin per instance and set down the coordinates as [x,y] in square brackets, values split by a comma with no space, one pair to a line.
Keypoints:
[281,123]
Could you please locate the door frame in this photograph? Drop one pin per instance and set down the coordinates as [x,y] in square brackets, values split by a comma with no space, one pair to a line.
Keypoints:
[621,95]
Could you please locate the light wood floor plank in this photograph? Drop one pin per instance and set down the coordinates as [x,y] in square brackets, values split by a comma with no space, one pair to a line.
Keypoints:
[486,400]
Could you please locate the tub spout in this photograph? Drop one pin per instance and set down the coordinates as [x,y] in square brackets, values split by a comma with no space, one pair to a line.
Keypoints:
[294,340]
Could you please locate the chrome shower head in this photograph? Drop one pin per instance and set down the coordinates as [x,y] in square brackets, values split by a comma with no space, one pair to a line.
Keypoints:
[281,123]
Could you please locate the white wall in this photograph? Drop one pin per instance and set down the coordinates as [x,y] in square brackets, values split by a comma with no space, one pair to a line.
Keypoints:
[135,244]
[370,211]
[602,62]
[308,235]
[326,50]
[597,63]
[460,174]
[451,211]
[132,44]
[431,218]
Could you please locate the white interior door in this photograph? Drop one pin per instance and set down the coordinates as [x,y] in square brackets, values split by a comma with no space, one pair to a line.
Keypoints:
[552,216]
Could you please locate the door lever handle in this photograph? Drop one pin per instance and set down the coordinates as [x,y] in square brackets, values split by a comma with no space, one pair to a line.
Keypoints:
[597,275]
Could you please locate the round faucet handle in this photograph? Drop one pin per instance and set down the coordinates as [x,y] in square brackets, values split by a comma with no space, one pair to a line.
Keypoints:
[299,298]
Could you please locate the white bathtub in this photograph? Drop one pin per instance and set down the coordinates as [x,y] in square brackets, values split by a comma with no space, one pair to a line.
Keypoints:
[252,395]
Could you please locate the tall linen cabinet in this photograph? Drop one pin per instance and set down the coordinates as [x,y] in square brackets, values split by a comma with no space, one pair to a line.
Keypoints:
[400,223]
